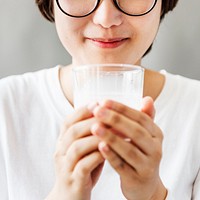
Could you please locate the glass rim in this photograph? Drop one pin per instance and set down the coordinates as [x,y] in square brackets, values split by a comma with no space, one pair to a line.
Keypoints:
[132,67]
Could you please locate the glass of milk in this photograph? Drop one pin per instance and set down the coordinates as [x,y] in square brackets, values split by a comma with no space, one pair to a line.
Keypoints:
[119,82]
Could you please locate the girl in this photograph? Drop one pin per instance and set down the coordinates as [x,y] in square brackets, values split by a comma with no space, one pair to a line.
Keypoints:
[90,160]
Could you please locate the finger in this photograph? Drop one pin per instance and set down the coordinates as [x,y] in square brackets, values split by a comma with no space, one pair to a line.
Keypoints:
[127,150]
[79,149]
[148,107]
[87,164]
[121,167]
[78,115]
[122,154]
[97,171]
[75,132]
[118,121]
[140,117]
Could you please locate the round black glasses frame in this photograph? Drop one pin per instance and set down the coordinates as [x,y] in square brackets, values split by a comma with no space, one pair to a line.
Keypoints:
[116,5]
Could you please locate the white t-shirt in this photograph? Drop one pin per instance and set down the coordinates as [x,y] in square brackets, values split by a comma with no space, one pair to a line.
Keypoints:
[32,109]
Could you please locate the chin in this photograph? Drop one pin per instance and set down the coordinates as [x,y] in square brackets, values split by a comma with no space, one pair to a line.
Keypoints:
[103,60]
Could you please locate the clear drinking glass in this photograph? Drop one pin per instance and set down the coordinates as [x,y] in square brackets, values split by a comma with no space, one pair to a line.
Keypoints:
[119,82]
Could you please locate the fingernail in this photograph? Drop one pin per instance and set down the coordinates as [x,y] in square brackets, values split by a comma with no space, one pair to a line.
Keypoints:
[97,130]
[102,102]
[106,103]
[91,106]
[99,111]
[103,147]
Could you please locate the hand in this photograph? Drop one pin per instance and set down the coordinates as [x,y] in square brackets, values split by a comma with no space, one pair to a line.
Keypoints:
[132,143]
[78,163]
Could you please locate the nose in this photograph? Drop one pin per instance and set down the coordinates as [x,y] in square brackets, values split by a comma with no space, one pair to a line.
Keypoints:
[107,15]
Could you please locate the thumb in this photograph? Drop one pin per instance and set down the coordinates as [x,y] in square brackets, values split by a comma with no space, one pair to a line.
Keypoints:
[148,106]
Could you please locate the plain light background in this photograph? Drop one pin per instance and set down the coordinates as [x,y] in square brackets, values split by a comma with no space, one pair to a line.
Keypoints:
[29,43]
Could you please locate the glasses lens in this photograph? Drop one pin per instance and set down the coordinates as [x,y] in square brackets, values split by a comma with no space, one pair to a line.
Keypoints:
[77,8]
[136,7]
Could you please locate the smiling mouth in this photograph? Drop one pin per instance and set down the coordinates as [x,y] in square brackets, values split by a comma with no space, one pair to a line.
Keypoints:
[108,43]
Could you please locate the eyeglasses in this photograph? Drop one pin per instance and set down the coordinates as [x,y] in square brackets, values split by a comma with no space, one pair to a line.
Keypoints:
[83,8]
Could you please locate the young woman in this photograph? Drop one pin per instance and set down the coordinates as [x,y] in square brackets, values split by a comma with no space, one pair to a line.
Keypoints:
[91,161]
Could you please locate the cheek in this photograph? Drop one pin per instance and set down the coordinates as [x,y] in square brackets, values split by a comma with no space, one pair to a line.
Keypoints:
[69,29]
[148,26]
[69,32]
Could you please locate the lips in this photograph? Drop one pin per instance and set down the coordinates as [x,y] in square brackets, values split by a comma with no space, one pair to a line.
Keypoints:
[108,42]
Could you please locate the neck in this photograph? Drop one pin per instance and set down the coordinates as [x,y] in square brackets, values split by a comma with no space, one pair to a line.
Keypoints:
[153,83]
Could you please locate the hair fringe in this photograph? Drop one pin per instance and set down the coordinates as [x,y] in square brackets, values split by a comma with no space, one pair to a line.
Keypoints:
[46,9]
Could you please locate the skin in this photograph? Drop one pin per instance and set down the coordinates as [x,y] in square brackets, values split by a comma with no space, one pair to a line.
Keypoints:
[96,132]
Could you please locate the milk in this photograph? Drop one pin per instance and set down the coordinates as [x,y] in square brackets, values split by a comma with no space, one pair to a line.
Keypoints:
[118,89]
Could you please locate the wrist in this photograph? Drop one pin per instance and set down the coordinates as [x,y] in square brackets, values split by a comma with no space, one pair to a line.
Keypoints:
[160,193]
[57,193]
[60,192]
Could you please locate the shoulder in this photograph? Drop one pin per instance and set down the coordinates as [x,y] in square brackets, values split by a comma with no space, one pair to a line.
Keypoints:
[184,87]
[183,98]
[20,87]
[18,83]
[179,94]
[176,78]
[20,80]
